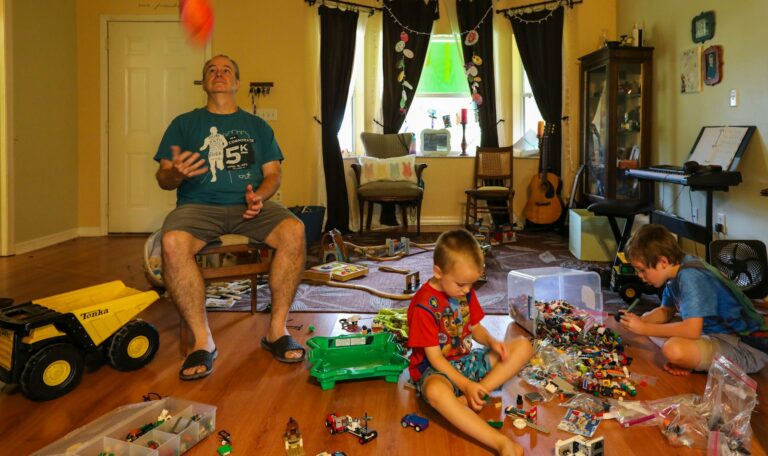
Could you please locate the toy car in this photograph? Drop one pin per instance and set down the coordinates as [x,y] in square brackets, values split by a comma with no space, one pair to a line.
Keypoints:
[418,423]
[44,343]
[345,423]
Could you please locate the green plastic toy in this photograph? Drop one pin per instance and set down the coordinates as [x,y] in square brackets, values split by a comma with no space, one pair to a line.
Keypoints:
[355,356]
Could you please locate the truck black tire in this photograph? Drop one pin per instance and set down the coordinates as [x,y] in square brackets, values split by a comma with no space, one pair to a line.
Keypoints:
[52,372]
[628,292]
[133,346]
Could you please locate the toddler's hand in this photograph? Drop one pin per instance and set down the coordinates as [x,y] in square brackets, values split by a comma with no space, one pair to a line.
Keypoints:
[475,394]
[500,348]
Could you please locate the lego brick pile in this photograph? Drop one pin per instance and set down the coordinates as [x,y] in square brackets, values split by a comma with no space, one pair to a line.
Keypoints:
[573,346]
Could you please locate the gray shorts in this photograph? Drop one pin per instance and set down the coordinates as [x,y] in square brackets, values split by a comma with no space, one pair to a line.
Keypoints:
[749,358]
[206,222]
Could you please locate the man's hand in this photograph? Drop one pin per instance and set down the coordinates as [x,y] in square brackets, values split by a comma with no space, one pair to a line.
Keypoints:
[475,394]
[253,203]
[632,322]
[498,347]
[187,164]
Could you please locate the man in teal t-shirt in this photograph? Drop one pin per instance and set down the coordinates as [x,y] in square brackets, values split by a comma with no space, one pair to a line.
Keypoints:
[224,164]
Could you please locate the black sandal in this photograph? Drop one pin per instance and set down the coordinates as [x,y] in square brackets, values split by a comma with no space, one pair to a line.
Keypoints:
[198,358]
[283,345]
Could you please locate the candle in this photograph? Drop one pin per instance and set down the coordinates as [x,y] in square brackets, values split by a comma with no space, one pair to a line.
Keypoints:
[540,130]
[463,115]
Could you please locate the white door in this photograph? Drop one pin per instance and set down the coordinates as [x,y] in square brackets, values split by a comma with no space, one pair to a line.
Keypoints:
[152,71]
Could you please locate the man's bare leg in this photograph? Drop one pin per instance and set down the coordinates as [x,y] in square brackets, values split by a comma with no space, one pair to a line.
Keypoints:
[288,262]
[185,282]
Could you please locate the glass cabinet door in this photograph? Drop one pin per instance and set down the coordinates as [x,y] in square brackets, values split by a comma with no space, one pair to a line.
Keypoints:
[596,134]
[629,126]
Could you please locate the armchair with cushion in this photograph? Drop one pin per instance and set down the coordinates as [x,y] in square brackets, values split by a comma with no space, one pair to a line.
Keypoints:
[389,174]
[492,183]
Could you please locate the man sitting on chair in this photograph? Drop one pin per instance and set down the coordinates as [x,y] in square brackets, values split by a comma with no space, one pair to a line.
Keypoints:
[247,159]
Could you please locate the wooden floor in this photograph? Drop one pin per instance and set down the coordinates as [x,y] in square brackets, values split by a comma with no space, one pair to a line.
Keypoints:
[256,395]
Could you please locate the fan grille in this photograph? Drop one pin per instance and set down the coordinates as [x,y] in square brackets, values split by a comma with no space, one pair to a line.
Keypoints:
[744,262]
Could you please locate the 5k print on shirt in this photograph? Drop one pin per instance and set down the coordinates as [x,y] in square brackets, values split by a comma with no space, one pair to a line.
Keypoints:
[231,151]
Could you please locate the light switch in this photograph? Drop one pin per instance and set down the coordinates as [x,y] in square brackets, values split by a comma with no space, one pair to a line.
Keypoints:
[267,113]
[734,101]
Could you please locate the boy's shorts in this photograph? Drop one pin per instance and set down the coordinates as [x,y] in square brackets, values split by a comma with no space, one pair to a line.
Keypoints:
[749,358]
[207,222]
[474,365]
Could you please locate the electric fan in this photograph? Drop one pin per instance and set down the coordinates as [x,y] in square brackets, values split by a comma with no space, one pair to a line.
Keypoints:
[744,262]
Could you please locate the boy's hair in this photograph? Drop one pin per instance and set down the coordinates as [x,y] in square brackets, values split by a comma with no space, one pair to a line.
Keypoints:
[457,244]
[235,66]
[651,243]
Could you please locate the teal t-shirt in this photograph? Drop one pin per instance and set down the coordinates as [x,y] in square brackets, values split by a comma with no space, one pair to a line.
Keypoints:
[234,146]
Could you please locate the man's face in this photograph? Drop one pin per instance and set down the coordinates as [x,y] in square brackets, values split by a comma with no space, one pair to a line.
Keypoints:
[220,76]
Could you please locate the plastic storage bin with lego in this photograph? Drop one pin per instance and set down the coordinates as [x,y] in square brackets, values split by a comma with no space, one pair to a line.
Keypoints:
[526,286]
[189,423]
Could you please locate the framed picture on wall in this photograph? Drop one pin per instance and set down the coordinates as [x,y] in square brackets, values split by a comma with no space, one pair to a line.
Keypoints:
[703,27]
[690,70]
[713,65]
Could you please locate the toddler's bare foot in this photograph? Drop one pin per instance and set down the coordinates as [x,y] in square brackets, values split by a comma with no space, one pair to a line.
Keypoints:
[674,369]
[507,447]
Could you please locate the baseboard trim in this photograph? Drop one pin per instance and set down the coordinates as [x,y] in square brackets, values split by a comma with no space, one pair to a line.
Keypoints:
[46,241]
[441,221]
[91,231]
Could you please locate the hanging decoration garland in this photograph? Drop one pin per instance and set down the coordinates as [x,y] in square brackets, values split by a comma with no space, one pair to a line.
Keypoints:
[517,13]
[470,68]
[405,53]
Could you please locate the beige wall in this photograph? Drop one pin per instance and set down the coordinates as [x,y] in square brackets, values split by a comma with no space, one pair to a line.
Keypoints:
[45,118]
[678,118]
[272,41]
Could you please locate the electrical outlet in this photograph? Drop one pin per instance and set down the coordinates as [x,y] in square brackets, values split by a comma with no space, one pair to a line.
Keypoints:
[695,215]
[720,226]
[734,98]
[278,196]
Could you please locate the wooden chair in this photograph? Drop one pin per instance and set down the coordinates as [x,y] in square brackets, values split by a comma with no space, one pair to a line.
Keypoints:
[250,261]
[492,181]
[403,193]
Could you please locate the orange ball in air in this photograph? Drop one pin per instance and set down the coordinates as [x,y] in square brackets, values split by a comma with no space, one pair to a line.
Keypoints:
[197,19]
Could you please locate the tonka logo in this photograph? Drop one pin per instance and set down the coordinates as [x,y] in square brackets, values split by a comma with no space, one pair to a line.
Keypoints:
[93,313]
[5,333]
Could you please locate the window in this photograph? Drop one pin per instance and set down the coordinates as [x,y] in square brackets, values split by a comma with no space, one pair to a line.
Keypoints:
[531,114]
[346,134]
[441,95]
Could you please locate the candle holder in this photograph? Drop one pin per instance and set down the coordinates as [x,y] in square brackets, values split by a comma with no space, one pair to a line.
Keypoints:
[463,140]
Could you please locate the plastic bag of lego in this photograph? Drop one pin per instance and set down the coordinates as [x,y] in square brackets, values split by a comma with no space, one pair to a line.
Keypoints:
[587,403]
[731,396]
[684,425]
[649,413]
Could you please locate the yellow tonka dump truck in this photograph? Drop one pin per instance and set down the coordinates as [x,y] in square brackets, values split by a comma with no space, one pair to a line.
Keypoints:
[44,343]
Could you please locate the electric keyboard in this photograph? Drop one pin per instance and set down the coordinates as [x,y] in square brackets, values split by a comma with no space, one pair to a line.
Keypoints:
[671,169]
[704,180]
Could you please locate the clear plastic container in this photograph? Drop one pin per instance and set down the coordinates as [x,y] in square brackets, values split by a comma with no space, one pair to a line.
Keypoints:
[190,422]
[526,286]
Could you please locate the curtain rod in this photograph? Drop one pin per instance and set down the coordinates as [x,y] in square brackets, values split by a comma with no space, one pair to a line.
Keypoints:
[570,3]
[371,9]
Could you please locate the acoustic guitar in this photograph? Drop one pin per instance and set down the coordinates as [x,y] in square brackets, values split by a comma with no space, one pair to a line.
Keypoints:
[544,206]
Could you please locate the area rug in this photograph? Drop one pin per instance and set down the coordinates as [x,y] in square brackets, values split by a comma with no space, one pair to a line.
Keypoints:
[530,250]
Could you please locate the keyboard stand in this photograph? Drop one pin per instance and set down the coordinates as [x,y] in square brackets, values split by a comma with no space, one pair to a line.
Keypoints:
[693,231]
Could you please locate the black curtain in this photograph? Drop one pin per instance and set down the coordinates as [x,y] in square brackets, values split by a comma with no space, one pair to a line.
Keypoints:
[470,12]
[337,54]
[541,50]
[418,16]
